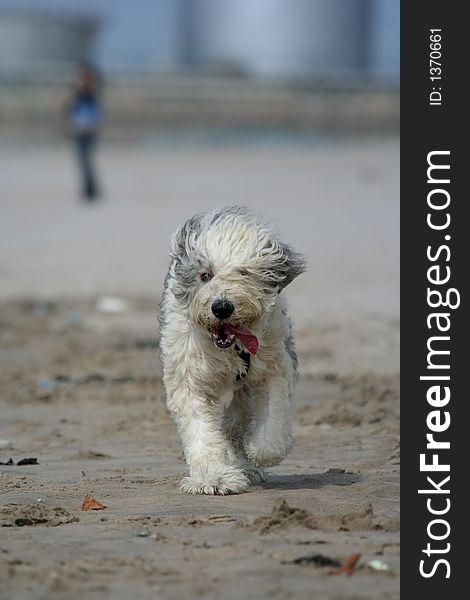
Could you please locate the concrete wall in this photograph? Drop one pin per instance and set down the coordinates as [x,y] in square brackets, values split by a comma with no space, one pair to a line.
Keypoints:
[137,108]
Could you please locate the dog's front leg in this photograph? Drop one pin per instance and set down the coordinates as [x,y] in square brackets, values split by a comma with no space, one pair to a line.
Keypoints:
[212,469]
[238,417]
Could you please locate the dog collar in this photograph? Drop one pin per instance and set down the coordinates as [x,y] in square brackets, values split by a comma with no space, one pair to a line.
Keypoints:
[246,358]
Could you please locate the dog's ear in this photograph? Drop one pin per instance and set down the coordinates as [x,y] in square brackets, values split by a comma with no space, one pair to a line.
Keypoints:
[178,243]
[286,264]
[185,237]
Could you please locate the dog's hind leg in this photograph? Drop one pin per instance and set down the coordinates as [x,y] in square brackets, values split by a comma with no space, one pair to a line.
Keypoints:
[212,469]
[271,438]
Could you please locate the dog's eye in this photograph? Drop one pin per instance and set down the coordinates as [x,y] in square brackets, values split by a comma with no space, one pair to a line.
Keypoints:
[205,277]
[243,272]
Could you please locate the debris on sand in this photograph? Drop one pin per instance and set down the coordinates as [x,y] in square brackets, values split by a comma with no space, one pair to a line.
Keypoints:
[40,309]
[22,515]
[90,503]
[21,463]
[283,516]
[319,560]
[89,455]
[348,567]
[46,385]
[61,378]
[93,378]
[378,565]
[27,461]
[144,534]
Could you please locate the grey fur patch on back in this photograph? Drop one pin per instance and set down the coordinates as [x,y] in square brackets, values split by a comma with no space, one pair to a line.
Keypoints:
[290,347]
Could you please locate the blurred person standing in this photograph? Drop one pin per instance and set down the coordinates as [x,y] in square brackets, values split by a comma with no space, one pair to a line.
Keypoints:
[84,116]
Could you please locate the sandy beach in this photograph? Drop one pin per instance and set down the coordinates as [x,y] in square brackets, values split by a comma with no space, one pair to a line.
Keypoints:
[82,393]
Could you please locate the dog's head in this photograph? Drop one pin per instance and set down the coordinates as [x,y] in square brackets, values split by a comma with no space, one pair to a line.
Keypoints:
[227,269]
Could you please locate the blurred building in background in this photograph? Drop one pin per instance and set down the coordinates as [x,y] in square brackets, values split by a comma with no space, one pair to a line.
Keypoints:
[32,40]
[321,64]
[278,38]
[304,39]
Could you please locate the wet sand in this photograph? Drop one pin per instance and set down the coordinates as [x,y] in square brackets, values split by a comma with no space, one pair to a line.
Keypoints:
[81,389]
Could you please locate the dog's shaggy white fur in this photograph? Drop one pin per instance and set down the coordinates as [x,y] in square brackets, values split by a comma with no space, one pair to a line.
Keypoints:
[229,364]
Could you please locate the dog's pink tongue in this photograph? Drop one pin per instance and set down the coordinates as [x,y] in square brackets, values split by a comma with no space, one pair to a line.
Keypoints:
[248,339]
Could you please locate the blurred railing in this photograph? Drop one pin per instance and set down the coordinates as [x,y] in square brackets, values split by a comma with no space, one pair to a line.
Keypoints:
[137,105]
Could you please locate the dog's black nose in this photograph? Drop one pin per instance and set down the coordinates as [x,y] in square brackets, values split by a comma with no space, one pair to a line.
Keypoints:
[222,309]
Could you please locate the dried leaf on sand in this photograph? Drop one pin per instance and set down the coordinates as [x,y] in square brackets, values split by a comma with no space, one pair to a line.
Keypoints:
[90,503]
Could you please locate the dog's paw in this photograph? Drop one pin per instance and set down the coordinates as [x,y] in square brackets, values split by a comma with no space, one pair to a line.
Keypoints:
[256,475]
[221,481]
[265,454]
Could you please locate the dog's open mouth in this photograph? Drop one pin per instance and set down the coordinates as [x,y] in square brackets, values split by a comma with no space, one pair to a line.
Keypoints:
[224,336]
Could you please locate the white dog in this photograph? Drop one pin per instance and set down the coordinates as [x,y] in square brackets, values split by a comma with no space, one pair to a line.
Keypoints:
[229,364]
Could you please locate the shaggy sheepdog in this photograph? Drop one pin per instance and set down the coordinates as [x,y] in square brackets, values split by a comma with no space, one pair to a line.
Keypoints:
[229,365]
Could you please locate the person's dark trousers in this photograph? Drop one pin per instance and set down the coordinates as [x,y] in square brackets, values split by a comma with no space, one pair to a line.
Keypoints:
[85,143]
